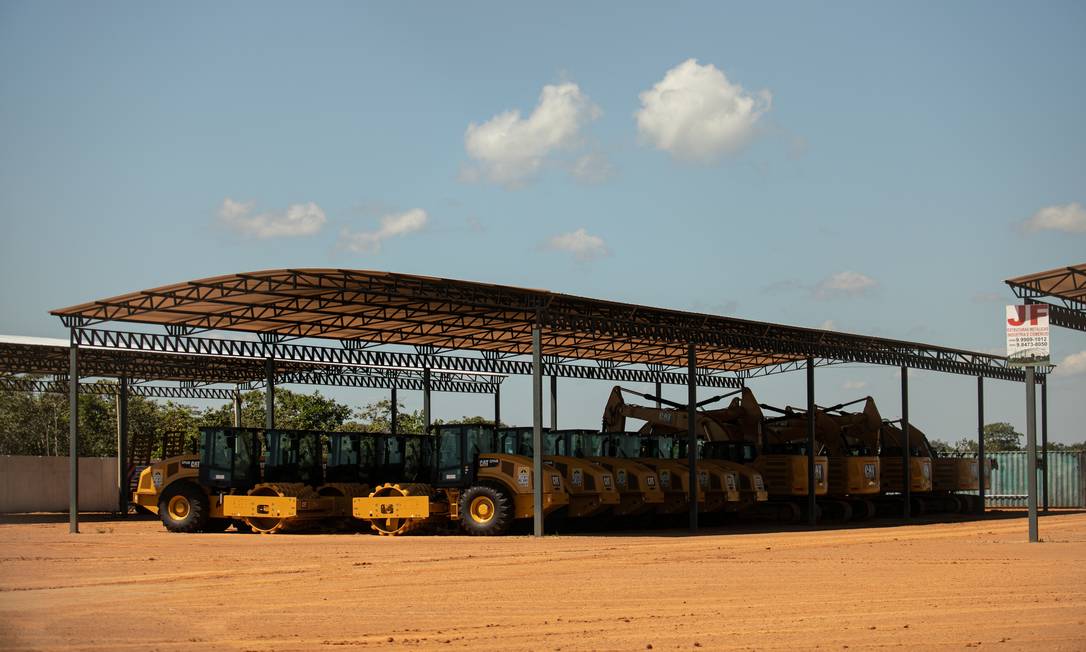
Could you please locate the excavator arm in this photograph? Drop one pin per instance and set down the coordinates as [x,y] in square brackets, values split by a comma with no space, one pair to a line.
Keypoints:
[661,420]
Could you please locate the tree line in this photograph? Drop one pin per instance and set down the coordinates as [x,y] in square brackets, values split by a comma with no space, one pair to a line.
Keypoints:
[37,423]
[998,437]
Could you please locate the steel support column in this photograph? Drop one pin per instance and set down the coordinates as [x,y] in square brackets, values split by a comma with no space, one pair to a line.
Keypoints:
[1045,476]
[426,399]
[812,501]
[659,394]
[497,406]
[981,462]
[691,433]
[554,402]
[394,412]
[906,480]
[537,431]
[73,437]
[269,393]
[1031,453]
[122,447]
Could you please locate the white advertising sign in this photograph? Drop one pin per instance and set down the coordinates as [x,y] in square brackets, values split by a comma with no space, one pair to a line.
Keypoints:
[1027,335]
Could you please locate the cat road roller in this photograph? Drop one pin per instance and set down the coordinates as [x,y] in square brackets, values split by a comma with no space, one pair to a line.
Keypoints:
[469,481]
[224,483]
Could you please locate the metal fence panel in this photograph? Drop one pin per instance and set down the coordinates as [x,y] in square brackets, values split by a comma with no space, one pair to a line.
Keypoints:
[1066,476]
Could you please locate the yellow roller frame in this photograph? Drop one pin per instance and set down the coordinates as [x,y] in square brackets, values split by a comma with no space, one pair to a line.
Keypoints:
[391,507]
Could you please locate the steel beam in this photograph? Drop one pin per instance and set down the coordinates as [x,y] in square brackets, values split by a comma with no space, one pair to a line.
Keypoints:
[812,500]
[1045,475]
[497,406]
[981,462]
[73,437]
[269,393]
[537,431]
[906,480]
[691,433]
[395,412]
[1031,454]
[659,394]
[426,399]
[215,350]
[554,402]
[122,448]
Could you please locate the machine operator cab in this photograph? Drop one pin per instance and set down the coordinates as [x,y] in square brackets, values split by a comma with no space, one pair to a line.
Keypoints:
[230,458]
[459,447]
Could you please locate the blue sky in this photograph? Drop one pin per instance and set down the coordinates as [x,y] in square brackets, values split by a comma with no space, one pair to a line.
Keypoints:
[877,169]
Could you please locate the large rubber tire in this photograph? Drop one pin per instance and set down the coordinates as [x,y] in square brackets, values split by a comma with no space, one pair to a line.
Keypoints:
[485,511]
[183,508]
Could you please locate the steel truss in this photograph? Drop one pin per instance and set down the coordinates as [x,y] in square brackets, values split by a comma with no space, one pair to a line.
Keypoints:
[371,308]
[1066,285]
[256,352]
[103,388]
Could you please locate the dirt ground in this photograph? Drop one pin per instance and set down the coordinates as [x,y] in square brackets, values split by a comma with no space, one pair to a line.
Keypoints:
[130,585]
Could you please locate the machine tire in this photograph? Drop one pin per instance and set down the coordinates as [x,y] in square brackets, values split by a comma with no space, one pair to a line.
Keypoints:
[183,508]
[485,511]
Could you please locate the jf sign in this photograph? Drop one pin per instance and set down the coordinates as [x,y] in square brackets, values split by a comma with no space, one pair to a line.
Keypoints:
[1027,335]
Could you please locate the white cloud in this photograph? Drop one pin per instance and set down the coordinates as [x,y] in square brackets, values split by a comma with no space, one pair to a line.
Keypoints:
[393,225]
[592,167]
[696,114]
[1069,218]
[581,244]
[844,284]
[854,384]
[510,149]
[297,220]
[1072,365]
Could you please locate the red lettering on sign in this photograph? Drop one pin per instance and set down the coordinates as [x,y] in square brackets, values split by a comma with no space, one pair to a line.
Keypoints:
[1033,311]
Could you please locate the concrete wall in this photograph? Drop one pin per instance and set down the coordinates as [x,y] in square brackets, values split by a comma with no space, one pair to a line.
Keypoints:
[40,484]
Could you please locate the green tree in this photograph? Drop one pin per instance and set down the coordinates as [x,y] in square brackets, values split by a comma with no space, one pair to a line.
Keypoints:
[292,410]
[377,417]
[1001,437]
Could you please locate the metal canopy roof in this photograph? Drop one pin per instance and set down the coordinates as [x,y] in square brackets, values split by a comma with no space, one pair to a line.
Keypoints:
[50,357]
[361,308]
[1064,284]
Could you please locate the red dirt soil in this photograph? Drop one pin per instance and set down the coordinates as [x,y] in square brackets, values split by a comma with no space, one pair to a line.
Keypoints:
[130,585]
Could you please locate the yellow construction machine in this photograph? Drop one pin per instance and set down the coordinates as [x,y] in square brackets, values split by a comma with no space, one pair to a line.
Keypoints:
[783,466]
[638,485]
[853,478]
[728,484]
[473,482]
[274,481]
[943,477]
[592,489]
[224,483]
[891,440]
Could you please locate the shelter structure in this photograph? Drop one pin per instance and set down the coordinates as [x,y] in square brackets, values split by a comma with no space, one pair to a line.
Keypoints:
[42,365]
[355,318]
[1063,291]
